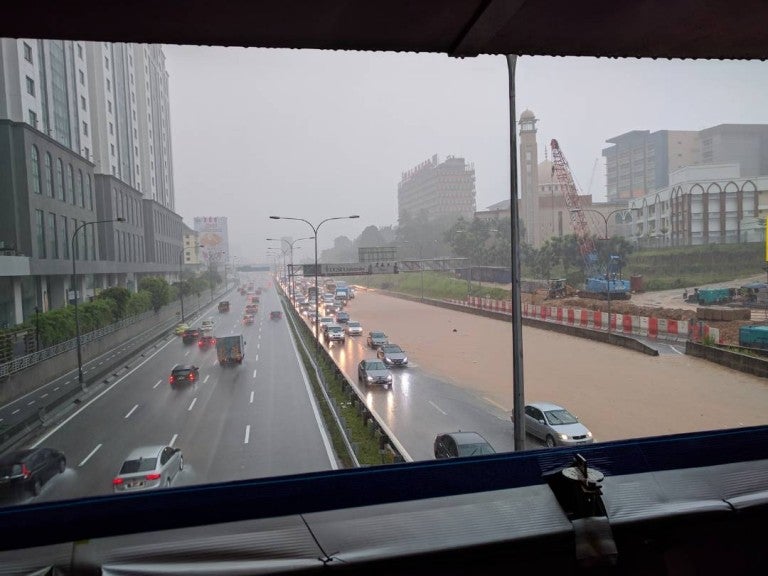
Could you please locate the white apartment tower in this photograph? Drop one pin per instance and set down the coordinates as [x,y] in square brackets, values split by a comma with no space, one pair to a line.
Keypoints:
[44,83]
[529,174]
[132,117]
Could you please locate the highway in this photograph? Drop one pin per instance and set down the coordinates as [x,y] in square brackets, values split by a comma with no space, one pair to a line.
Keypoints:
[252,420]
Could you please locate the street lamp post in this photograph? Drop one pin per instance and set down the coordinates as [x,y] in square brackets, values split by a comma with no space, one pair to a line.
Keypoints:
[76,291]
[291,275]
[608,265]
[317,288]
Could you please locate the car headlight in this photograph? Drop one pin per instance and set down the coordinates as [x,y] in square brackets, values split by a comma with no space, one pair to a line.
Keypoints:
[387,359]
[589,434]
[563,436]
[405,358]
[389,376]
[370,378]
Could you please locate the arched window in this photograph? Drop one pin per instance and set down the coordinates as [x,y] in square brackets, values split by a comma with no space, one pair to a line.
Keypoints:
[60,190]
[90,193]
[79,190]
[71,183]
[35,159]
[48,175]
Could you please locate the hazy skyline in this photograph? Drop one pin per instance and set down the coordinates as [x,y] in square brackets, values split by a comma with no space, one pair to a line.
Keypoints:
[314,134]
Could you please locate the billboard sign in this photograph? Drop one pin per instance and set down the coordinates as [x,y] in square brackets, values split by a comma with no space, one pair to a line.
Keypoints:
[214,237]
[377,254]
[352,269]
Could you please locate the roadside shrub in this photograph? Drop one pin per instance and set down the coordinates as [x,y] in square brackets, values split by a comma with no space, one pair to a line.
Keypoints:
[138,303]
[120,296]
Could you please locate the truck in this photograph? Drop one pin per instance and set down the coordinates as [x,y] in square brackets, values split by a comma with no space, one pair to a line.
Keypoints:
[223,306]
[230,349]
[342,293]
[754,337]
[709,296]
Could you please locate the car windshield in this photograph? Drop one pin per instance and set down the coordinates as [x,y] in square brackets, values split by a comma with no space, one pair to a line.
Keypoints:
[139,465]
[375,365]
[478,449]
[353,324]
[392,349]
[378,335]
[558,417]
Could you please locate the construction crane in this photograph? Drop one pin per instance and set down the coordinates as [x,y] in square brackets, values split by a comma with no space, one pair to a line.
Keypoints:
[605,283]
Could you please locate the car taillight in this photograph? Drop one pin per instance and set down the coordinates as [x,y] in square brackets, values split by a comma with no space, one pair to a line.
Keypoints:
[117,481]
[171,378]
[213,341]
[153,476]
[25,471]
[200,343]
[191,375]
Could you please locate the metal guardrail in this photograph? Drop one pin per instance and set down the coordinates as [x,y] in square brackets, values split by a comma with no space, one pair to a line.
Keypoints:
[19,364]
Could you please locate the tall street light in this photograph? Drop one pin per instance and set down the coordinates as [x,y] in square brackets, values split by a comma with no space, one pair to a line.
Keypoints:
[181,279]
[608,265]
[317,288]
[291,273]
[75,256]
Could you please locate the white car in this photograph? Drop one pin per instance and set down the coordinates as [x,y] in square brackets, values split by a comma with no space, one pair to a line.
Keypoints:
[325,321]
[354,328]
[208,324]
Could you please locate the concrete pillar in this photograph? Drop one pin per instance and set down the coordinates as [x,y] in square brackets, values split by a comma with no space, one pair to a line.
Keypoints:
[18,310]
[57,294]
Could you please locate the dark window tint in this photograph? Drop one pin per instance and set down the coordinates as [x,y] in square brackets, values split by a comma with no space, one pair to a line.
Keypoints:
[140,465]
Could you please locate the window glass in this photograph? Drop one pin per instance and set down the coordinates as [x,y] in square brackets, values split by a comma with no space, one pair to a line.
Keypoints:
[34,158]
[64,237]
[79,189]
[60,187]
[48,175]
[53,237]
[40,233]
[71,184]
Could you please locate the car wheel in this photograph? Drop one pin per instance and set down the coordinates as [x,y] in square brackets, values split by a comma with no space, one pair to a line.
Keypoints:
[181,463]
[37,486]
[62,465]
[550,441]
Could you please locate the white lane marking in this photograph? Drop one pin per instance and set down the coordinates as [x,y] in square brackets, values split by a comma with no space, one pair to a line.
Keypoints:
[193,404]
[16,411]
[186,353]
[257,357]
[247,433]
[259,335]
[496,404]
[30,403]
[107,389]
[102,362]
[131,411]
[55,389]
[173,440]
[436,407]
[206,378]
[251,397]
[254,372]
[89,455]
[44,395]
[258,345]
[676,350]
[157,384]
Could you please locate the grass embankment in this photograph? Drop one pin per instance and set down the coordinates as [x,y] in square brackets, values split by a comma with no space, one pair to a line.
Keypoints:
[366,442]
[688,266]
[438,285]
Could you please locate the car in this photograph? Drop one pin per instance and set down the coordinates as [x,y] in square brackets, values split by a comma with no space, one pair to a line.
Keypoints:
[376,339]
[247,319]
[180,328]
[330,309]
[251,308]
[374,371]
[26,471]
[206,341]
[353,328]
[325,321]
[334,332]
[208,324]
[461,444]
[190,335]
[148,468]
[392,355]
[275,315]
[342,317]
[184,373]
[555,425]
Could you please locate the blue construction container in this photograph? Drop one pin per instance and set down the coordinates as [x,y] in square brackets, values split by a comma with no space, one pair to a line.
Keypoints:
[754,336]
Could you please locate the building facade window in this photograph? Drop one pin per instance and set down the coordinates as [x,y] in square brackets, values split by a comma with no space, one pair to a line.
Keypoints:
[27,52]
[109,106]
[34,157]
[85,128]
[81,77]
[71,184]
[111,128]
[60,189]
[79,190]
[40,233]
[48,175]
[80,51]
[53,237]
[64,237]
[30,86]
[32,115]
[82,102]
[89,192]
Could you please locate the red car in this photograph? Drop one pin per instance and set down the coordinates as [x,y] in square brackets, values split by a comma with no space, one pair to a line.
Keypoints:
[275,315]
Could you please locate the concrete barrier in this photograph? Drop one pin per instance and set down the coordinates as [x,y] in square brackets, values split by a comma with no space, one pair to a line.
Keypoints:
[729,358]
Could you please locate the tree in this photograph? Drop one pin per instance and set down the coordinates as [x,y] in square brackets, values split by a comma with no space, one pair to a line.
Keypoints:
[120,296]
[159,291]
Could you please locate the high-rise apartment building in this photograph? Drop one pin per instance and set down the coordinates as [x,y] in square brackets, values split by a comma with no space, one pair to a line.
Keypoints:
[84,137]
[437,189]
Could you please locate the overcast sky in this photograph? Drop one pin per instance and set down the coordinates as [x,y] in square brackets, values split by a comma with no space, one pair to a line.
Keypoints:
[315,134]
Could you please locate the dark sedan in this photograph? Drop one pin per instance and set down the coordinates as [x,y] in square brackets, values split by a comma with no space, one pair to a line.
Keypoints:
[27,470]
[461,444]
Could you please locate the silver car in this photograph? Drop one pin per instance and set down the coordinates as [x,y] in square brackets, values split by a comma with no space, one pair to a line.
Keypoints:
[392,355]
[374,372]
[148,468]
[354,328]
[555,425]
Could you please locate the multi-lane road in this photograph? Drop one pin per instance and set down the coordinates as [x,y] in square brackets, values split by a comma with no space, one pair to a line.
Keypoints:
[260,419]
[252,420]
